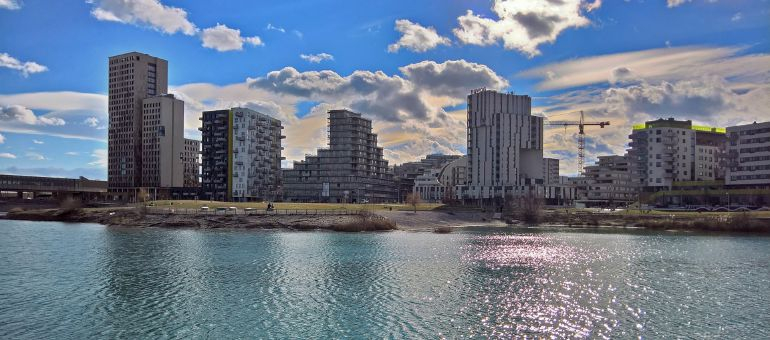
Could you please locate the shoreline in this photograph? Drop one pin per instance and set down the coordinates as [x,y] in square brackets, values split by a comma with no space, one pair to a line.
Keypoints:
[435,221]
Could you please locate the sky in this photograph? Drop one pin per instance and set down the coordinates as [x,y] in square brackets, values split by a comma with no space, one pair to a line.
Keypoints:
[407,65]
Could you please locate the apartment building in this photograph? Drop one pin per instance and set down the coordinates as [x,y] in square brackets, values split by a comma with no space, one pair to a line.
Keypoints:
[665,151]
[191,163]
[406,173]
[241,157]
[132,77]
[440,184]
[551,171]
[748,155]
[162,142]
[505,146]
[607,183]
[351,169]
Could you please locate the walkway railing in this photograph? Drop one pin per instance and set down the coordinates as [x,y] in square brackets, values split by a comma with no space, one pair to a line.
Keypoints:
[245,212]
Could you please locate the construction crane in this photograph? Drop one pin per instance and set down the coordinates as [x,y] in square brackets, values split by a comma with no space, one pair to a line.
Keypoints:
[581,124]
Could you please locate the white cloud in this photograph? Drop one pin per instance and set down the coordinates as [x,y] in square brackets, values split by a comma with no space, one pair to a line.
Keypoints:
[317,58]
[35,156]
[7,155]
[99,158]
[148,13]
[737,17]
[20,114]
[71,153]
[35,141]
[655,65]
[91,121]
[524,25]
[416,38]
[26,68]
[2,139]
[223,38]
[9,4]
[674,3]
[270,27]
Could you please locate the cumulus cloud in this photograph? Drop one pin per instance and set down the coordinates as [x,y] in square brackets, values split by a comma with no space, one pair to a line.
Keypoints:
[9,4]
[26,68]
[7,155]
[454,78]
[524,25]
[71,153]
[21,114]
[317,58]
[407,109]
[392,98]
[91,121]
[223,38]
[655,65]
[146,13]
[2,139]
[416,38]
[35,141]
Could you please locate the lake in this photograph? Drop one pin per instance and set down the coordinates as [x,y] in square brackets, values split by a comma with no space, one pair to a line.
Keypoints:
[90,281]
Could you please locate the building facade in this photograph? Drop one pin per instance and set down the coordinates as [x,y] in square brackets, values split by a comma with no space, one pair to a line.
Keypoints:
[551,171]
[162,142]
[607,183]
[505,146]
[132,78]
[191,163]
[351,169]
[664,151]
[748,155]
[241,155]
[406,173]
[256,153]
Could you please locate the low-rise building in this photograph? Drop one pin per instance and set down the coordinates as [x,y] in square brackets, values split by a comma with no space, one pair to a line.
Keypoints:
[608,183]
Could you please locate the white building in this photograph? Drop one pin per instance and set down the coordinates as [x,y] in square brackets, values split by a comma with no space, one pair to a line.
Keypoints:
[505,146]
[256,156]
[664,151]
[748,153]
[551,171]
[162,142]
[441,184]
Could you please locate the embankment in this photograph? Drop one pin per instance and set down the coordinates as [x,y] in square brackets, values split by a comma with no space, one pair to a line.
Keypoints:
[131,217]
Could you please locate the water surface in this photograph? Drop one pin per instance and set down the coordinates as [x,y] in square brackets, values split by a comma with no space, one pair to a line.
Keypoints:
[90,281]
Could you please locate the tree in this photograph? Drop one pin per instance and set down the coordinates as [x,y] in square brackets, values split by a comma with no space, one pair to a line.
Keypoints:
[413,199]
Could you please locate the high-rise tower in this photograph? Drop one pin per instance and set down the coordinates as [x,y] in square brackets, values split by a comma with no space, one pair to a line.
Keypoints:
[132,78]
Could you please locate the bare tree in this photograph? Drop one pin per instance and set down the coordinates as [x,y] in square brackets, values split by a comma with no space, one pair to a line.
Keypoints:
[527,208]
[413,199]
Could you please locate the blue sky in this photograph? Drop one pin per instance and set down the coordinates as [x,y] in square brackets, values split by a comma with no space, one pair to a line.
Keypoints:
[623,61]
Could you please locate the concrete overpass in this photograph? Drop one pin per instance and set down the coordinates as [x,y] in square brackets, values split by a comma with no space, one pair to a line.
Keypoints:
[60,188]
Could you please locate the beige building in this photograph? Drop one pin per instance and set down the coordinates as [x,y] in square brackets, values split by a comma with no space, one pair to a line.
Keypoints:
[132,78]
[162,142]
[665,151]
